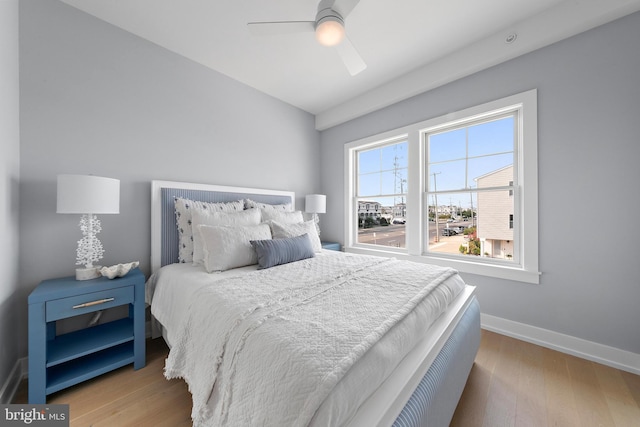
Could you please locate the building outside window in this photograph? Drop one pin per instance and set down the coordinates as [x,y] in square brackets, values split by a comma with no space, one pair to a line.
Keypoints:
[369,209]
[495,217]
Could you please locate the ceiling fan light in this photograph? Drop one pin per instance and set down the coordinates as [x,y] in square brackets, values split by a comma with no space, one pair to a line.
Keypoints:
[330,31]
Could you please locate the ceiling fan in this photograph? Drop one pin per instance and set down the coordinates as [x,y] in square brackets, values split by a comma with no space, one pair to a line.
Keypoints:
[329,29]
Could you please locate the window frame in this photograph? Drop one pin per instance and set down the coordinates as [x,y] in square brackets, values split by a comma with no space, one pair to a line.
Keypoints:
[525,190]
[352,184]
[465,122]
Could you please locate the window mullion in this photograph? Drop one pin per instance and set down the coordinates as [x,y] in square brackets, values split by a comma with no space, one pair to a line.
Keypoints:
[414,226]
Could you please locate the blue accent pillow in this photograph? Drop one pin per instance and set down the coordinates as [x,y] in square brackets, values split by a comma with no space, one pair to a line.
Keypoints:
[274,252]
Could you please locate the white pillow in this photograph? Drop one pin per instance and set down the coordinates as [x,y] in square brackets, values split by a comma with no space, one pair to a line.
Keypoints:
[283,231]
[230,247]
[183,220]
[229,219]
[252,204]
[281,216]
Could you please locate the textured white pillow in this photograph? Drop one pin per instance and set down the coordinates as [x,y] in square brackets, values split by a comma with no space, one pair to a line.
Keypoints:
[183,219]
[281,216]
[230,247]
[229,219]
[283,231]
[252,204]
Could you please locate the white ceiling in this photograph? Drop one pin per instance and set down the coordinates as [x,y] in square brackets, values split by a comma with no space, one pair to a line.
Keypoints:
[409,46]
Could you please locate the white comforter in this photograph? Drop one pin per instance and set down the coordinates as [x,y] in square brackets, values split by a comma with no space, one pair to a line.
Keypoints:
[267,347]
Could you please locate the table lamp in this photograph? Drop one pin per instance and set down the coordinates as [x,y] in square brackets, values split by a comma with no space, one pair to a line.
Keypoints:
[315,204]
[88,195]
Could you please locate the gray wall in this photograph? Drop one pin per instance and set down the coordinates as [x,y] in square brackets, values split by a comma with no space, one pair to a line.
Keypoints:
[9,176]
[98,100]
[588,159]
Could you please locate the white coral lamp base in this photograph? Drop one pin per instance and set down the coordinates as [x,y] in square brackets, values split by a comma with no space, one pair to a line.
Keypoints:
[88,273]
[89,248]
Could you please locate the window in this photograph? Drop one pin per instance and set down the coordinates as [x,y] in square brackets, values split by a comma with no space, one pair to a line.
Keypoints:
[458,190]
[381,189]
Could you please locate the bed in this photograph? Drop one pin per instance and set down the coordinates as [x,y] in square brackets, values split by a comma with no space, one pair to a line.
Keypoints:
[408,370]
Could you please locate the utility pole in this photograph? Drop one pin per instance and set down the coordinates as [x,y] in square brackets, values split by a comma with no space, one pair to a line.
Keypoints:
[472,215]
[397,176]
[435,195]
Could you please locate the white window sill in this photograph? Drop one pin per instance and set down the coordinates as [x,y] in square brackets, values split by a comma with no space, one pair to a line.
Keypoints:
[463,266]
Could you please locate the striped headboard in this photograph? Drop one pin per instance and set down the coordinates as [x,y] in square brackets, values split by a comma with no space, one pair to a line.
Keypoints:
[164,231]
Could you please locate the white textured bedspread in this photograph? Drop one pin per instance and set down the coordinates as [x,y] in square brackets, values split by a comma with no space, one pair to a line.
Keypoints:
[267,347]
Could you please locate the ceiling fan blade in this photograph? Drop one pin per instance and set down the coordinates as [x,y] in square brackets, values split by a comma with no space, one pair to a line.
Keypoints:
[283,27]
[344,7]
[350,56]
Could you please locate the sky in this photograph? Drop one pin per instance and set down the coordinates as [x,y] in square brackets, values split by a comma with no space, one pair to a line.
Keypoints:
[456,158]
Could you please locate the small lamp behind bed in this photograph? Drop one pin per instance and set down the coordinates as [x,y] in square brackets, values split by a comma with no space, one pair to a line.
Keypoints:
[315,204]
[88,195]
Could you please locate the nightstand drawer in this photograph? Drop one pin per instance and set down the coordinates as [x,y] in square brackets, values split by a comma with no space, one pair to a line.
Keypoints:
[73,306]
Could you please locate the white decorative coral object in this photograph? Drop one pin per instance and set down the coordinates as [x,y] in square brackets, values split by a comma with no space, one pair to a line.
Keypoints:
[118,270]
[90,249]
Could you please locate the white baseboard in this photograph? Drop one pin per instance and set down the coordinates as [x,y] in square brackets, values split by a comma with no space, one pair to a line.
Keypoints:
[9,388]
[610,356]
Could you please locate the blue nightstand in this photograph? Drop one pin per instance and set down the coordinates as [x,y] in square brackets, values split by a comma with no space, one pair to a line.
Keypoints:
[332,246]
[58,362]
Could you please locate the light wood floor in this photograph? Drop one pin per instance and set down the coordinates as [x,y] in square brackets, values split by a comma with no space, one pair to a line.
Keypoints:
[512,383]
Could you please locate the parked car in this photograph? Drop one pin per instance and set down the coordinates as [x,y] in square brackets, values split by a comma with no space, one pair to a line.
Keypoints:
[449,232]
[399,221]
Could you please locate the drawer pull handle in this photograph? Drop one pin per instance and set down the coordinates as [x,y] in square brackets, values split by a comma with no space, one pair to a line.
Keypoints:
[89,304]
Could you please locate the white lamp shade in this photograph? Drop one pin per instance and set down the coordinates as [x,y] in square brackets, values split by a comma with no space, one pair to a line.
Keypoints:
[84,194]
[315,203]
